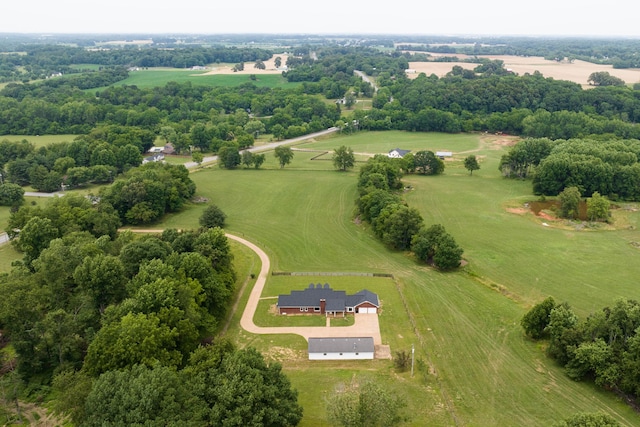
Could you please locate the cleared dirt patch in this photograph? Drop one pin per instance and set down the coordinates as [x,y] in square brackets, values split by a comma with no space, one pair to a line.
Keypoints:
[249,67]
[576,71]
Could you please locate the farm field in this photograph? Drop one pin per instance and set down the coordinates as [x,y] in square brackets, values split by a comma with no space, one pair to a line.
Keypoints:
[158,77]
[577,72]
[474,367]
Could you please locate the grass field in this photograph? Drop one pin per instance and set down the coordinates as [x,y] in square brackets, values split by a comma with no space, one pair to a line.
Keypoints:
[40,140]
[155,77]
[475,366]
[465,324]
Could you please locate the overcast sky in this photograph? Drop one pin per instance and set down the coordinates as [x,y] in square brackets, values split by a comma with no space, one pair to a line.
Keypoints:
[457,17]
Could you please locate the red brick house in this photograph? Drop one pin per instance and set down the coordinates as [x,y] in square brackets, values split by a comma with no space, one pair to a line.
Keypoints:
[321,299]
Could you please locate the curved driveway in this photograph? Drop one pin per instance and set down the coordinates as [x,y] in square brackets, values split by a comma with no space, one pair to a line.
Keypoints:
[366,325]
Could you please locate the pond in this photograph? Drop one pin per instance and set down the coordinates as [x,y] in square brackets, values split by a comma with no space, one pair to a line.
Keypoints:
[553,205]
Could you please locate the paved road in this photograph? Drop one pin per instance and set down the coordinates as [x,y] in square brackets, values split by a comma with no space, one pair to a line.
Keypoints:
[270,146]
[366,325]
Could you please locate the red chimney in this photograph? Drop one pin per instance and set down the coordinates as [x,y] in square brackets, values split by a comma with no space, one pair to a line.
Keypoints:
[323,304]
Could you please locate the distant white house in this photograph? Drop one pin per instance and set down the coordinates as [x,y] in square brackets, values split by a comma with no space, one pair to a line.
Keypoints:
[398,153]
[443,154]
[156,149]
[361,348]
[157,157]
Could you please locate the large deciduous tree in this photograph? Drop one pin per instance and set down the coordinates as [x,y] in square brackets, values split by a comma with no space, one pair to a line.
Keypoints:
[240,389]
[598,208]
[537,319]
[426,163]
[343,158]
[284,155]
[11,194]
[569,202]
[212,217]
[471,164]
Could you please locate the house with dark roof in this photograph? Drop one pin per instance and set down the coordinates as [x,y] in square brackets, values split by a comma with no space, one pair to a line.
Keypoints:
[341,348]
[398,153]
[321,299]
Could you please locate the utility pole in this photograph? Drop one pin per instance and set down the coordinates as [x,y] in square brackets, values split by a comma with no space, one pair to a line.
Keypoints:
[413,350]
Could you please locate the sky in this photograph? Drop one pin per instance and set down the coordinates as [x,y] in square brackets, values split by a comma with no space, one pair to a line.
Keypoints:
[440,17]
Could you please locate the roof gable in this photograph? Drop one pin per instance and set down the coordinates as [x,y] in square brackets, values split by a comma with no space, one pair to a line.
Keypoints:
[335,300]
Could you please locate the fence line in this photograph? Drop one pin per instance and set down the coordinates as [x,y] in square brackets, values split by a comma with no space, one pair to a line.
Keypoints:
[329,273]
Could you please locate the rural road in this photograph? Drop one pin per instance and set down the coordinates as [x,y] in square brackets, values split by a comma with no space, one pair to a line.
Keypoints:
[269,146]
[366,325]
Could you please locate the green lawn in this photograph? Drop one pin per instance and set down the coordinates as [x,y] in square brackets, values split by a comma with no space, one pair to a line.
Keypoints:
[154,77]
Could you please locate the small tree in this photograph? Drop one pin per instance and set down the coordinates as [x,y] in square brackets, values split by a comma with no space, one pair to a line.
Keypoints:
[212,217]
[365,404]
[277,62]
[197,157]
[471,164]
[247,159]
[402,360]
[343,158]
[284,155]
[598,208]
[569,202]
[259,65]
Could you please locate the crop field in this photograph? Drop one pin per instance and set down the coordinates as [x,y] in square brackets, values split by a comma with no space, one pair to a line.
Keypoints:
[576,71]
[473,364]
[157,77]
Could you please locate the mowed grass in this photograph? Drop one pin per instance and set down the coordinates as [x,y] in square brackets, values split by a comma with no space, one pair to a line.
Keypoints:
[465,324]
[156,77]
[40,140]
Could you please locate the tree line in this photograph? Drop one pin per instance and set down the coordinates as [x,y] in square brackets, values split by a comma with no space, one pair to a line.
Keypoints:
[39,61]
[394,222]
[608,166]
[604,347]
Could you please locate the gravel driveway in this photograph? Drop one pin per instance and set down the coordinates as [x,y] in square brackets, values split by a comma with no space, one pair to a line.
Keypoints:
[366,325]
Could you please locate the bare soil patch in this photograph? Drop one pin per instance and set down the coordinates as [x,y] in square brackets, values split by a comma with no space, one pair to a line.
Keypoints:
[576,71]
[249,67]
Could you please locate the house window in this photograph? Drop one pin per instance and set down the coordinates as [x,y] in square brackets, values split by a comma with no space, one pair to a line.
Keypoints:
[301,309]
[324,354]
[316,308]
[350,309]
[340,354]
[357,354]
[306,309]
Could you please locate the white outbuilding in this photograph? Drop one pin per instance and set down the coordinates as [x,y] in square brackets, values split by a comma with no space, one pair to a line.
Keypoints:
[341,348]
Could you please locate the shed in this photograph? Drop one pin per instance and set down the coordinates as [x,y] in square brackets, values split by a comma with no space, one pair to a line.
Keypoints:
[359,348]
[443,154]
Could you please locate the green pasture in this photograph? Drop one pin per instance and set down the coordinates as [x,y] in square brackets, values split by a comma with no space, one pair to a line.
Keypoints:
[475,366]
[154,77]
[40,140]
